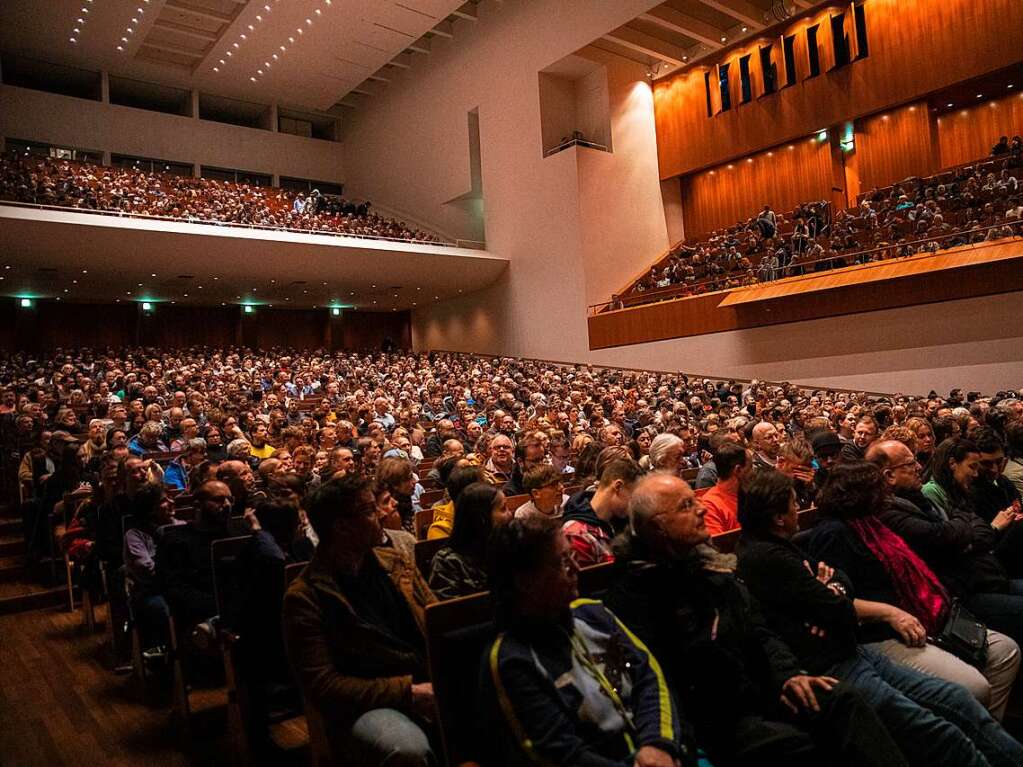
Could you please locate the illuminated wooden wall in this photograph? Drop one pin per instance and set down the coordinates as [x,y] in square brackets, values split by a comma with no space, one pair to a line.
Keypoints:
[915,48]
[784,177]
[891,146]
[970,133]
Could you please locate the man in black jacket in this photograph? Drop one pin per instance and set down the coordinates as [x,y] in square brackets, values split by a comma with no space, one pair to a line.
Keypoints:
[811,607]
[748,696]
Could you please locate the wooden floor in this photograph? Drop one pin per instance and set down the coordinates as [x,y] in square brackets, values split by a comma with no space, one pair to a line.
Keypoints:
[62,705]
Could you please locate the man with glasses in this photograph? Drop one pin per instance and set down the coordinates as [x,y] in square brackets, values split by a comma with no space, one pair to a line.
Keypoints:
[747,696]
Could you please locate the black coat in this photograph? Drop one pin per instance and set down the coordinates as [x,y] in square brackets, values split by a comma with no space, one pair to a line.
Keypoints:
[782,578]
[958,549]
[708,634]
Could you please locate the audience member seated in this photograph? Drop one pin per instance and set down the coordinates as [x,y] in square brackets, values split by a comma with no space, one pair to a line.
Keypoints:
[184,564]
[590,517]
[460,568]
[68,184]
[722,501]
[566,682]
[390,522]
[397,476]
[747,695]
[964,205]
[354,623]
[899,599]
[810,606]
[461,474]
[545,486]
[151,511]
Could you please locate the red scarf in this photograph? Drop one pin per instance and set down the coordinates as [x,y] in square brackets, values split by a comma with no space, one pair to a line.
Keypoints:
[919,591]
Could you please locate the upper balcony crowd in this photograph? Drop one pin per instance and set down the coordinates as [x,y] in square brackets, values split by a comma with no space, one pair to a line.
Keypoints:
[967,204]
[69,184]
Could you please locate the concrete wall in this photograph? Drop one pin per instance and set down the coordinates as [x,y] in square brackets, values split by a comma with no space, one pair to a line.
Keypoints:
[974,343]
[54,119]
[536,209]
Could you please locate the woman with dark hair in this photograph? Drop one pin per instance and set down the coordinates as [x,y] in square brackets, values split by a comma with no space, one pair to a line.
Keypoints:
[900,602]
[953,470]
[928,717]
[459,568]
[151,509]
[973,572]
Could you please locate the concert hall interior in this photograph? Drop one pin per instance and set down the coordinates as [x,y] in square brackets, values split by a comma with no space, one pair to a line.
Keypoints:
[508,382]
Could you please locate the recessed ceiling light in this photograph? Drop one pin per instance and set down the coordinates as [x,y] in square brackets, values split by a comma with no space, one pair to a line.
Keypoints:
[243,37]
[72,39]
[980,95]
[949,105]
[253,79]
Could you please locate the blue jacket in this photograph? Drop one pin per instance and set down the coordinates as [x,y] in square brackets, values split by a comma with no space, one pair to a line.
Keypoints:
[590,698]
[175,476]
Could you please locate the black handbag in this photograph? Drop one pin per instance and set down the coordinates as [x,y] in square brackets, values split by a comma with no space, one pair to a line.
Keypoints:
[964,636]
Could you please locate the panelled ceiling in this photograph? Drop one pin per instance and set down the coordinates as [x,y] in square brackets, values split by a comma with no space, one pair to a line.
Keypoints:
[305,54]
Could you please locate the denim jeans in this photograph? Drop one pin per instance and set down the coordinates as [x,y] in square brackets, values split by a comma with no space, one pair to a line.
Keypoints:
[935,722]
[1001,612]
[385,737]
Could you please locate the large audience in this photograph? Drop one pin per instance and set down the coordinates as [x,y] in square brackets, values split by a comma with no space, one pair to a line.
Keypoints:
[885,634]
[66,183]
[968,204]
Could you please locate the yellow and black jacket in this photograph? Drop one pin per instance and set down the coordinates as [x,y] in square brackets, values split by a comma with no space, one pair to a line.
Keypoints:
[583,692]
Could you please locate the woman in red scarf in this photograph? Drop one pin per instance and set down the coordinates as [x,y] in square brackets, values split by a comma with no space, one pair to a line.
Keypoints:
[898,599]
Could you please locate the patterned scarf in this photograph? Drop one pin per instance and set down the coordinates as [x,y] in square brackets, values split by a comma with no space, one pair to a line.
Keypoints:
[919,591]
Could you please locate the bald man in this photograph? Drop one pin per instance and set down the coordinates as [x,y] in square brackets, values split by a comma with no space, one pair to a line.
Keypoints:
[741,686]
[766,441]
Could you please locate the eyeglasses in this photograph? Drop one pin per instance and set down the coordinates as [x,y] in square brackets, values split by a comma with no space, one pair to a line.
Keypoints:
[903,464]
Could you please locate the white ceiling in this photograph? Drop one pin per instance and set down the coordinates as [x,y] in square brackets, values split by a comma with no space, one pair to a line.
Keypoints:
[90,257]
[343,45]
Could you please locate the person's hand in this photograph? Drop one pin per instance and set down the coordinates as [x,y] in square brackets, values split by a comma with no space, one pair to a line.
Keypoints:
[798,691]
[908,628]
[252,520]
[651,756]
[825,573]
[423,701]
[1004,518]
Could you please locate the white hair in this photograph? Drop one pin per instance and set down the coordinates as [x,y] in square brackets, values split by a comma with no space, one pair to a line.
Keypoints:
[660,446]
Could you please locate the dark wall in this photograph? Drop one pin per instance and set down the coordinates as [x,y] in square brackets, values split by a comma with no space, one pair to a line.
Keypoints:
[49,325]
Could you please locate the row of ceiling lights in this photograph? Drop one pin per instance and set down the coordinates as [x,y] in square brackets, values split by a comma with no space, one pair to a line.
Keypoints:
[292,40]
[130,29]
[80,22]
[242,38]
[200,287]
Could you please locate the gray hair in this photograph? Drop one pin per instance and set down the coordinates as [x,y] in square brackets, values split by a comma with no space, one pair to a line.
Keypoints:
[239,448]
[660,446]
[151,429]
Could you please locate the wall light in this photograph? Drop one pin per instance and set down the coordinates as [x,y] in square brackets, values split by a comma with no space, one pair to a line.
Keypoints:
[336,311]
[26,303]
[146,306]
[249,309]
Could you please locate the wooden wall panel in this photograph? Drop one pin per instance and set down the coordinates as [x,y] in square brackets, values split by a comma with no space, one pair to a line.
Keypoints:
[367,330]
[49,325]
[171,327]
[915,48]
[891,146]
[729,193]
[970,133]
[63,325]
[298,328]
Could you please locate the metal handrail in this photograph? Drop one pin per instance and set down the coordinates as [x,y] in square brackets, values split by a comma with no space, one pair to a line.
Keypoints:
[574,142]
[214,222]
[676,291]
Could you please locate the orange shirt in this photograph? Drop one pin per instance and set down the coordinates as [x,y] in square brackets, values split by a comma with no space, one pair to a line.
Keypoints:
[722,509]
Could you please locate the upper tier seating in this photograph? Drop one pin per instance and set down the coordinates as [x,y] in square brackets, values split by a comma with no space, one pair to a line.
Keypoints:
[968,203]
[69,184]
